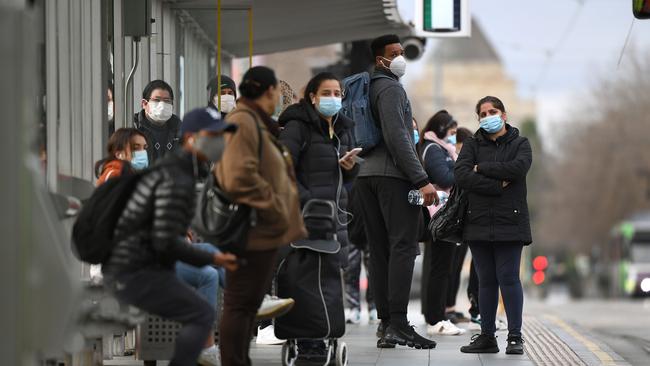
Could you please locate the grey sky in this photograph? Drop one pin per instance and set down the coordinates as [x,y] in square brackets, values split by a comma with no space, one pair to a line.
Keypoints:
[524,31]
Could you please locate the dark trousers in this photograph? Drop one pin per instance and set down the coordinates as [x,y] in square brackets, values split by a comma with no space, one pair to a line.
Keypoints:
[472,291]
[497,266]
[160,292]
[391,226]
[454,279]
[356,256]
[437,267]
[245,289]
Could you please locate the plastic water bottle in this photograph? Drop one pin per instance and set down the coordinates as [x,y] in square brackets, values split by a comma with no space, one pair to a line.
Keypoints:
[443,196]
[416,198]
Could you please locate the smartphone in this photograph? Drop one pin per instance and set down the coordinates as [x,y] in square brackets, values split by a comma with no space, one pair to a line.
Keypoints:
[352,153]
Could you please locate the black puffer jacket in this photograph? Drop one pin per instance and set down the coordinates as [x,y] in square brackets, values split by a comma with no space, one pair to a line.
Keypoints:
[316,156]
[162,139]
[156,220]
[495,213]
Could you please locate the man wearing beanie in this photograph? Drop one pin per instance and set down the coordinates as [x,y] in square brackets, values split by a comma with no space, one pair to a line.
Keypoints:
[140,269]
[228,95]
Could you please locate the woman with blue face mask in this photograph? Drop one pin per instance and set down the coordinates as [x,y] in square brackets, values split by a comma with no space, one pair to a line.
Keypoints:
[318,136]
[492,169]
[126,153]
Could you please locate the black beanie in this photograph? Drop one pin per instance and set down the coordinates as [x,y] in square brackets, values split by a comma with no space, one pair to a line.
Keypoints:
[226,82]
[256,81]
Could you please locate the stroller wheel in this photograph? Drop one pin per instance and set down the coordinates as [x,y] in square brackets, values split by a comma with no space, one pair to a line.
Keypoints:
[341,354]
[289,353]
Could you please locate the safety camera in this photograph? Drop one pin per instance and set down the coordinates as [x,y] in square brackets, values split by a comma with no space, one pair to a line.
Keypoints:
[413,47]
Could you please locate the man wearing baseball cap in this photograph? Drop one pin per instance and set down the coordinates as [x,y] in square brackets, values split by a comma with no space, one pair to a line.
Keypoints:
[150,237]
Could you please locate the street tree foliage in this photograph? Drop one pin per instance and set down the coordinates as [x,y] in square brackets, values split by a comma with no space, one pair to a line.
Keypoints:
[602,175]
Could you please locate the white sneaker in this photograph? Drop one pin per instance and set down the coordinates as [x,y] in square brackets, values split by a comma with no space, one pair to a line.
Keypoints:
[267,337]
[209,357]
[373,318]
[273,307]
[501,325]
[444,327]
[353,316]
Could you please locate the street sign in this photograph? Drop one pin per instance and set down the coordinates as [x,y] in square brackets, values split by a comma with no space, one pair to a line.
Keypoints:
[442,18]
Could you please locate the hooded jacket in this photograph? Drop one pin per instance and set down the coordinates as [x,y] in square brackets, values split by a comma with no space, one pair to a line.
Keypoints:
[395,155]
[316,156]
[495,213]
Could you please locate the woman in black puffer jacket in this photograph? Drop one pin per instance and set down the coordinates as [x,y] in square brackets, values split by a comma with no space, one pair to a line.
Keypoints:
[492,169]
[318,137]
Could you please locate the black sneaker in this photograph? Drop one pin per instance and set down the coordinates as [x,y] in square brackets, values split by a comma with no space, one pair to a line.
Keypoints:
[382,343]
[312,351]
[515,345]
[481,343]
[406,336]
[381,329]
[456,317]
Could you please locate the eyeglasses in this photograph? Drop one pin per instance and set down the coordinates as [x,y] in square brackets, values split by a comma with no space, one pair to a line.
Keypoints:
[158,100]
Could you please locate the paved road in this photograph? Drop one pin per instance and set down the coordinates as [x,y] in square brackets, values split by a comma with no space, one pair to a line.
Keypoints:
[622,324]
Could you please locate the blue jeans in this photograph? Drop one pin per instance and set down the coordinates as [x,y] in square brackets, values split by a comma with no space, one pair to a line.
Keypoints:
[207,280]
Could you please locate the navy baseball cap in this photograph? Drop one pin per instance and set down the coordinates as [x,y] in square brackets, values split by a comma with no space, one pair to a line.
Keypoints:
[205,119]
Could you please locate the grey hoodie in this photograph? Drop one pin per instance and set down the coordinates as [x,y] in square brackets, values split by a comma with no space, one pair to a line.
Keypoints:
[395,155]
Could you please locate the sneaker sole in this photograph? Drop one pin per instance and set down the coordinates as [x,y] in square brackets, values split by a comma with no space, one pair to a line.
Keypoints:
[487,350]
[276,312]
[410,344]
[517,352]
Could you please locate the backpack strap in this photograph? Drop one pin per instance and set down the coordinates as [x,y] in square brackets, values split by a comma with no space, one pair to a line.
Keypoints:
[424,154]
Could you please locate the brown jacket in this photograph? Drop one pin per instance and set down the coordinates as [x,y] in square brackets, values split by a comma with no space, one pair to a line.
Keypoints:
[265,185]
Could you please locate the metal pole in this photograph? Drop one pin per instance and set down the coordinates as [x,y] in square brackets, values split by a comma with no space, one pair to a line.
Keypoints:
[250,37]
[219,55]
[127,96]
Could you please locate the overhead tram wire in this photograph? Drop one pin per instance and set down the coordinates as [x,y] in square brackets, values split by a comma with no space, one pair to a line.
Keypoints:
[627,39]
[551,53]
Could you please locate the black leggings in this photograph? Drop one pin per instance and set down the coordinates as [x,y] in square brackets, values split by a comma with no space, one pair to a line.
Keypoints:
[497,266]
[437,267]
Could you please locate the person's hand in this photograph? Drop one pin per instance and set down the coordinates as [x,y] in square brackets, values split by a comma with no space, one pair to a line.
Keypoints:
[226,260]
[430,195]
[347,164]
[504,184]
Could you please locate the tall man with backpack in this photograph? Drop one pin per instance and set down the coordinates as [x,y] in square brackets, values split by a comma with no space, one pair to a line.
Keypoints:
[391,169]
[149,237]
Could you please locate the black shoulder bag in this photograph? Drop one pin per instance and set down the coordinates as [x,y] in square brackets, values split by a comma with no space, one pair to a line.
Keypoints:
[221,221]
[447,224]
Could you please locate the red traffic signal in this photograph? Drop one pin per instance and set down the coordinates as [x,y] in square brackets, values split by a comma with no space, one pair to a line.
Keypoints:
[540,263]
[538,278]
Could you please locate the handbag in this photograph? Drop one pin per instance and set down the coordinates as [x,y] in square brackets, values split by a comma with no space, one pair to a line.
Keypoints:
[447,224]
[218,219]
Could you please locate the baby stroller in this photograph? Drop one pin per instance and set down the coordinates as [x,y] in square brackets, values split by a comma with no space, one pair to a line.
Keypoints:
[311,275]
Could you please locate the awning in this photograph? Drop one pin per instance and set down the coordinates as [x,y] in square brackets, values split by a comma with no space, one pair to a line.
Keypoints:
[282,25]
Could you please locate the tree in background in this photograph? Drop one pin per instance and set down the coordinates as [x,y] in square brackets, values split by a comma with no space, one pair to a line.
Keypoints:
[601,176]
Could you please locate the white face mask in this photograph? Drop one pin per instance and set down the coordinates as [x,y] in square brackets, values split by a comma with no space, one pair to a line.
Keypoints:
[110,110]
[398,66]
[160,112]
[227,102]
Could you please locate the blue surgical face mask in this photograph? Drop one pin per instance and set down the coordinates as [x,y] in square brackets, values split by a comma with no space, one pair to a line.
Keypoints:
[416,136]
[140,160]
[451,139]
[491,124]
[329,106]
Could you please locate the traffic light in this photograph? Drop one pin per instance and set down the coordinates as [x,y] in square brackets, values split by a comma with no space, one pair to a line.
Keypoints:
[641,9]
[540,264]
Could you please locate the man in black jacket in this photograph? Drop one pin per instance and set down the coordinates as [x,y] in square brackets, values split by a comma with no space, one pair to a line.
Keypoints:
[157,121]
[152,232]
[391,170]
